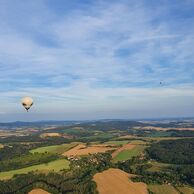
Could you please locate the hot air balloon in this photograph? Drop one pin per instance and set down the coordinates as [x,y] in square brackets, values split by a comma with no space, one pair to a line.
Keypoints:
[27,102]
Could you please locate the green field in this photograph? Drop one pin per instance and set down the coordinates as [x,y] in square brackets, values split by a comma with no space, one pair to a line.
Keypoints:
[162,189]
[56,149]
[128,154]
[158,166]
[116,142]
[56,165]
[138,142]
[186,190]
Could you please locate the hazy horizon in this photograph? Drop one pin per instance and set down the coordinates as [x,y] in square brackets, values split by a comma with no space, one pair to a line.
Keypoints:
[96,59]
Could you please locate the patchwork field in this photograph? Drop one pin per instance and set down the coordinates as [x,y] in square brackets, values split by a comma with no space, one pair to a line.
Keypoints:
[82,149]
[116,181]
[163,189]
[59,149]
[168,128]
[125,154]
[124,147]
[56,165]
[128,137]
[116,142]
[38,191]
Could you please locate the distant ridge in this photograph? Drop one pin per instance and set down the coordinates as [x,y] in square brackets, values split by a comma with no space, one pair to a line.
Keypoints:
[88,123]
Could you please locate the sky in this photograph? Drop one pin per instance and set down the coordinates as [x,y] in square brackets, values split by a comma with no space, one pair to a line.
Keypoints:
[96,59]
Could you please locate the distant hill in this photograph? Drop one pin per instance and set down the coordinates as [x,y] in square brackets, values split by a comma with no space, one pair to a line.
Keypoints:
[105,124]
[20,124]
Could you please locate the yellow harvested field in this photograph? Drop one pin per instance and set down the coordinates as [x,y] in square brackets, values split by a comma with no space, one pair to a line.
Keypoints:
[116,181]
[81,149]
[50,135]
[186,189]
[128,146]
[167,128]
[128,136]
[38,191]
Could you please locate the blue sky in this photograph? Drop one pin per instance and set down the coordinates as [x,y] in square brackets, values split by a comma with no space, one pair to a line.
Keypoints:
[96,59]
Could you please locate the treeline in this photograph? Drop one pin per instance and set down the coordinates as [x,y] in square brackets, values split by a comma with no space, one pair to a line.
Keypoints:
[180,151]
[35,139]
[26,160]
[157,133]
[52,182]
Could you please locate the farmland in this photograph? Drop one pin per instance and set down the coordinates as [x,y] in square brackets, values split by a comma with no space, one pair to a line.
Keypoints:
[55,166]
[158,166]
[85,150]
[97,155]
[116,142]
[58,149]
[128,153]
[161,189]
[186,190]
[116,181]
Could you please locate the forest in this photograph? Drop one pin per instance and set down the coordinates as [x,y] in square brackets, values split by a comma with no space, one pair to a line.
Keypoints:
[178,151]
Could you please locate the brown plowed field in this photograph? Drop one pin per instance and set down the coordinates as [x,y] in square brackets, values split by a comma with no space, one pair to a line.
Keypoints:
[84,150]
[115,181]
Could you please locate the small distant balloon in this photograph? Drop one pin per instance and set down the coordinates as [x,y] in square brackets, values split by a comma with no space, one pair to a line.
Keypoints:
[27,102]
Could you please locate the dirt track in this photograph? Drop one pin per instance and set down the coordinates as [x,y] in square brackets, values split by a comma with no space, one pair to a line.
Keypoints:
[83,150]
[115,181]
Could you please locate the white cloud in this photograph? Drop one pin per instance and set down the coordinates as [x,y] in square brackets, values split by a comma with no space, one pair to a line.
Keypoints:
[109,50]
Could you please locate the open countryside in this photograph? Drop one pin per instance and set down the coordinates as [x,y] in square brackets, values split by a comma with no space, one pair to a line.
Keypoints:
[145,154]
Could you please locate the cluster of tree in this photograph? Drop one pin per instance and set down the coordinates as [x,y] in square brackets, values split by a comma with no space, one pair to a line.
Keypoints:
[26,160]
[136,165]
[15,150]
[158,178]
[186,173]
[178,151]
[52,182]
[18,139]
[181,133]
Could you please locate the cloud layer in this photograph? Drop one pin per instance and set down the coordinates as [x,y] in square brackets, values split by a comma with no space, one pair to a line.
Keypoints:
[97,59]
